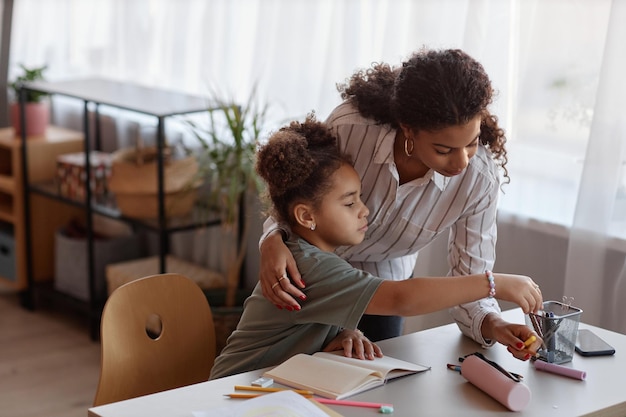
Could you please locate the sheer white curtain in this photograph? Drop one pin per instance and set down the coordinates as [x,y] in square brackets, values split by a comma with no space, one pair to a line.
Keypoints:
[567,144]
[596,267]
[296,50]
[556,64]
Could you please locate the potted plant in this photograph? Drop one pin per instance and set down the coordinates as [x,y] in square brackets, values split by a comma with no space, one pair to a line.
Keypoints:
[37,111]
[228,142]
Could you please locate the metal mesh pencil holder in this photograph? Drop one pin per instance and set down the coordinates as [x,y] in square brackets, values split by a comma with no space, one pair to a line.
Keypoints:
[557,325]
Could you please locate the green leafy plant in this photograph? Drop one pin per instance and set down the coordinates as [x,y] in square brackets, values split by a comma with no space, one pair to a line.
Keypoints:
[228,142]
[28,75]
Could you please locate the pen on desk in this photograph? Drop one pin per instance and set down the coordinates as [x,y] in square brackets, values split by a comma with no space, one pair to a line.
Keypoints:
[271,389]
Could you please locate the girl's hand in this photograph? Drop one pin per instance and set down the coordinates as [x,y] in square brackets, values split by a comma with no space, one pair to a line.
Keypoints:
[354,345]
[277,272]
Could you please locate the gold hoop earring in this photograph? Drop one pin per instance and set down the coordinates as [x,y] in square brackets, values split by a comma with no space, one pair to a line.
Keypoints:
[408,147]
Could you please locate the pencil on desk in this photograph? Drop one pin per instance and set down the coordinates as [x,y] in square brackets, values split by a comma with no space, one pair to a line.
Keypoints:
[353,403]
[270,389]
[453,367]
[250,395]
[383,408]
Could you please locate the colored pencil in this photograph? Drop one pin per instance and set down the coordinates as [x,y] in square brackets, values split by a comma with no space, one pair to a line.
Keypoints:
[250,395]
[271,389]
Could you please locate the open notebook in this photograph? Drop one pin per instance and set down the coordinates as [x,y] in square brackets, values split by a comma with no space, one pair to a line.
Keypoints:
[332,375]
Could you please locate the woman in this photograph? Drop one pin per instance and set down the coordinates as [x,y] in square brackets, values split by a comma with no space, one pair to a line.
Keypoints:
[428,153]
[315,190]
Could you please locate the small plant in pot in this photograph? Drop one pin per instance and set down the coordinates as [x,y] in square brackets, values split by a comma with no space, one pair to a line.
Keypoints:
[226,158]
[37,110]
[226,154]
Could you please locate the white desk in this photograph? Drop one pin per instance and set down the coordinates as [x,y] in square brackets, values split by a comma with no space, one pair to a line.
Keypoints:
[438,392]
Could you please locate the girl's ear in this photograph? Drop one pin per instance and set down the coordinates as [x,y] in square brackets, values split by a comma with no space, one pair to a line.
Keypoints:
[304,215]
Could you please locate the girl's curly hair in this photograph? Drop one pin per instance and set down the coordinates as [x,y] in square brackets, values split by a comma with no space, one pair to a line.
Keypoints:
[433,90]
[296,163]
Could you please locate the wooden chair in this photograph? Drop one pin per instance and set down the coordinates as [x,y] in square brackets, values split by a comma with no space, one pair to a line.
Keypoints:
[157,333]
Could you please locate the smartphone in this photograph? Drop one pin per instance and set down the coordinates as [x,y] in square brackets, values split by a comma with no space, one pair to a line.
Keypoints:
[590,344]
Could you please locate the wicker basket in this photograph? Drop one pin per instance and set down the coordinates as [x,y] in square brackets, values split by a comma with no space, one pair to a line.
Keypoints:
[135,184]
[120,273]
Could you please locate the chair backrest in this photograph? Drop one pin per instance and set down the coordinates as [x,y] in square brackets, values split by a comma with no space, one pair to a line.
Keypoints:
[157,333]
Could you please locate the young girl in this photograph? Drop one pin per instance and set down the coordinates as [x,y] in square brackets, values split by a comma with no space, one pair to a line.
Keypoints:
[314,188]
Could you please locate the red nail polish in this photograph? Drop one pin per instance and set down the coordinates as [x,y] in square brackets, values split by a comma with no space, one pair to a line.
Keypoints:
[527,356]
[297,308]
[519,345]
[289,308]
[302,297]
[279,307]
[303,284]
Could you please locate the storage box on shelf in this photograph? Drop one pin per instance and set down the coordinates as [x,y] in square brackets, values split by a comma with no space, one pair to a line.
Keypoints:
[71,175]
[46,214]
[135,185]
[71,268]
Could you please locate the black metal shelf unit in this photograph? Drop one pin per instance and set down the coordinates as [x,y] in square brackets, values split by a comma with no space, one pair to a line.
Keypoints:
[94,92]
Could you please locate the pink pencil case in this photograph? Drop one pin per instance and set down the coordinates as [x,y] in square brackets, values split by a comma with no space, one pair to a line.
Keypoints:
[512,394]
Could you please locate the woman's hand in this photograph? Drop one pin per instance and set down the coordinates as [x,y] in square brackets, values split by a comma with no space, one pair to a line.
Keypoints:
[512,336]
[277,266]
[520,290]
[354,345]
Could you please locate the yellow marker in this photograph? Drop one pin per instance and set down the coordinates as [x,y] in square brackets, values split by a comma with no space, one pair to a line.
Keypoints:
[530,340]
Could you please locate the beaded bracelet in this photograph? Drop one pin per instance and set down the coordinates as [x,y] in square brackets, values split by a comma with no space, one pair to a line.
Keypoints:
[492,284]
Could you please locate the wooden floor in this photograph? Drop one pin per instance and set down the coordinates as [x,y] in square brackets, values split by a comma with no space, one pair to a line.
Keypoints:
[49,366]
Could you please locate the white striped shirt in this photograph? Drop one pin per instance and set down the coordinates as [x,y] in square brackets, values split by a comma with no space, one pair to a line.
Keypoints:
[405,218]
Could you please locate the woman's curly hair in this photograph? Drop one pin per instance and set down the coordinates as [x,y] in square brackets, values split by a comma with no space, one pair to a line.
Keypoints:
[433,90]
[296,164]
